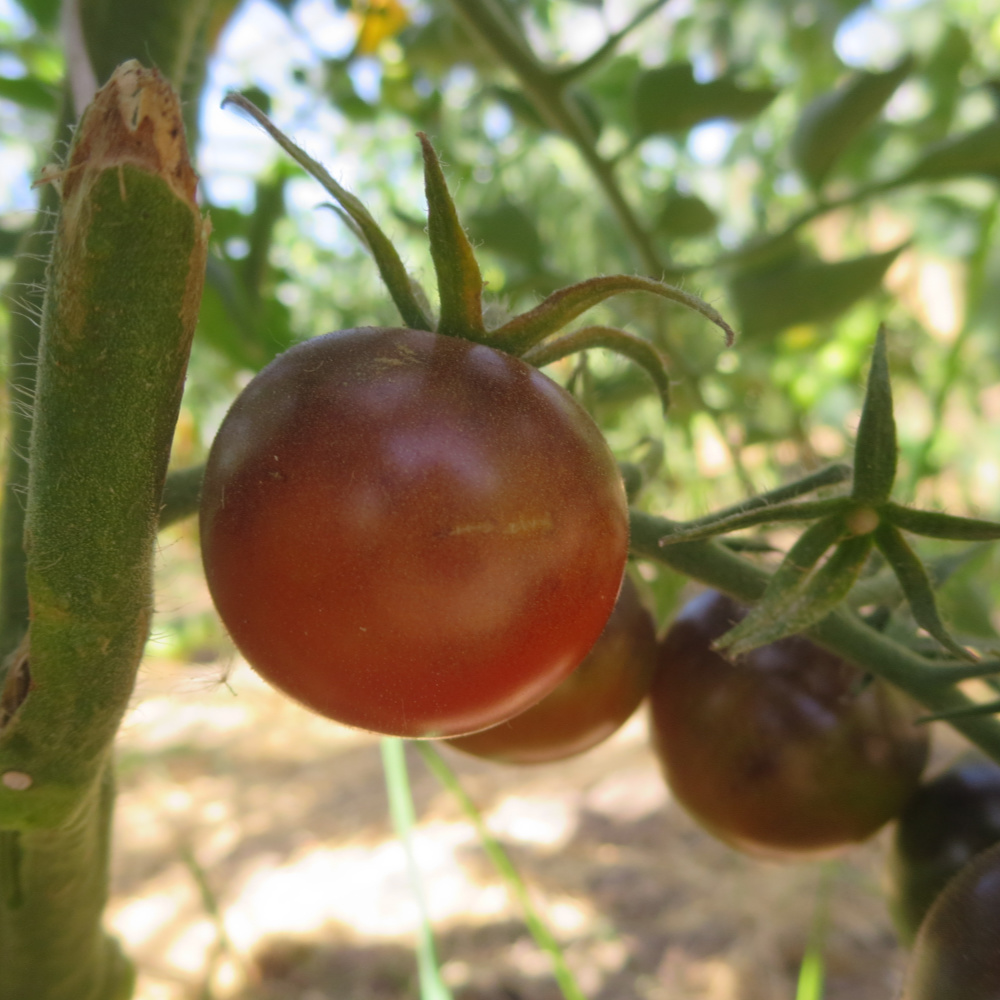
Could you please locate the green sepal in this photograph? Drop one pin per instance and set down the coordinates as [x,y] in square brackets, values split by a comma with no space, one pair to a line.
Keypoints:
[721,522]
[955,673]
[981,708]
[917,586]
[798,607]
[642,352]
[460,282]
[530,328]
[934,524]
[388,261]
[875,449]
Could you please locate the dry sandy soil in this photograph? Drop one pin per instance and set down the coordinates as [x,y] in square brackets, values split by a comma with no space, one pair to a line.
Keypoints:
[255,860]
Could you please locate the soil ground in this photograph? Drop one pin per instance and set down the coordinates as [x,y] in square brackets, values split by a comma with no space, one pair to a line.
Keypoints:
[255,859]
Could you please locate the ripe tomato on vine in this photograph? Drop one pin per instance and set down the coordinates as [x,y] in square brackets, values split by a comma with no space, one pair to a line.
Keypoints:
[411,533]
[412,530]
[784,750]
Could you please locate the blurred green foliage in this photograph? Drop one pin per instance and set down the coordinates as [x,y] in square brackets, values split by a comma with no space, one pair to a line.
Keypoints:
[808,183]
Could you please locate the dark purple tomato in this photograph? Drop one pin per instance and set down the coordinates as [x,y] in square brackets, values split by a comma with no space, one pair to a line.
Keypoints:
[945,824]
[957,953]
[587,707]
[409,533]
[786,750]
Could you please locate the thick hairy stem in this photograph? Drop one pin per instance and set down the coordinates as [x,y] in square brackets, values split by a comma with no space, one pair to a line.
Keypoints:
[124,289]
[54,885]
[124,286]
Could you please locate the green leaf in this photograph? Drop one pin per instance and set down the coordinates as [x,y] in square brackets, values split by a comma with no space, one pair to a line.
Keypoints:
[404,820]
[974,153]
[30,93]
[684,215]
[460,282]
[543,937]
[669,99]
[832,121]
[508,230]
[875,449]
[248,333]
[917,586]
[800,290]
[10,240]
[45,13]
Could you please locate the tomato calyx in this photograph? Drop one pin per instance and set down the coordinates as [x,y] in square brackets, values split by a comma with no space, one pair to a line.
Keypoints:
[823,566]
[532,335]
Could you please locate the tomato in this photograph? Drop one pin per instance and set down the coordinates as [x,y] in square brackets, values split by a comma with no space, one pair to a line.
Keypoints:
[786,750]
[947,822]
[410,533]
[957,953]
[587,707]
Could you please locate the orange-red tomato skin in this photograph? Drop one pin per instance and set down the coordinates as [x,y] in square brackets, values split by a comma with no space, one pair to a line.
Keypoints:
[410,533]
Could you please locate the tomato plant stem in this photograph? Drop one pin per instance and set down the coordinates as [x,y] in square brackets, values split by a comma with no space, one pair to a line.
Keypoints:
[116,329]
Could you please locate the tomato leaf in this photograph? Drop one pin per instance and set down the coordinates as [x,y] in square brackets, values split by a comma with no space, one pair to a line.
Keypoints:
[934,524]
[971,153]
[800,290]
[833,120]
[917,587]
[460,282]
[248,334]
[684,215]
[801,606]
[508,230]
[669,99]
[29,93]
[875,450]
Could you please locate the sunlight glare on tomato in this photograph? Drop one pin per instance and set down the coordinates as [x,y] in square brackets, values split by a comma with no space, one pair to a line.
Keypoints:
[409,533]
